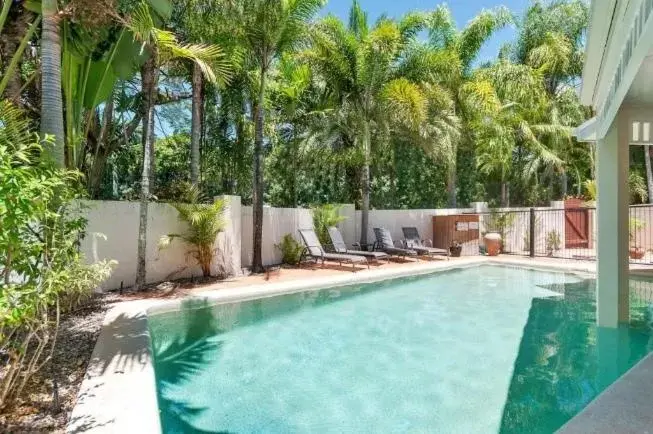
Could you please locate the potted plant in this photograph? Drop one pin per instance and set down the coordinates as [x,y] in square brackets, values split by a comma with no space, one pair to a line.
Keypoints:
[455,249]
[635,251]
[492,243]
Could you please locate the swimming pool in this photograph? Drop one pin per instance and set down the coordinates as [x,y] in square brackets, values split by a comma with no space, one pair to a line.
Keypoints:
[483,349]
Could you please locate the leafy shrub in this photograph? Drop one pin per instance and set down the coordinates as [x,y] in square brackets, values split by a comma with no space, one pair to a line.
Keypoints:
[634,225]
[291,250]
[324,217]
[205,221]
[553,242]
[41,268]
[590,189]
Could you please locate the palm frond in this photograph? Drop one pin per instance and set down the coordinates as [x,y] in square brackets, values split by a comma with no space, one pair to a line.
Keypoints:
[553,55]
[479,30]
[212,60]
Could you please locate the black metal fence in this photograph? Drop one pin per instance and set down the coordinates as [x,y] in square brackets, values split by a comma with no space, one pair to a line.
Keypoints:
[568,233]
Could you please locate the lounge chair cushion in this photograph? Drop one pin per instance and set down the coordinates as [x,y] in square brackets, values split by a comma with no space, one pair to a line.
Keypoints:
[312,242]
[343,257]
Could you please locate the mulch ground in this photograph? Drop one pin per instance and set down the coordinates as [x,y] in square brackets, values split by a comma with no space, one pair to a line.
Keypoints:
[37,410]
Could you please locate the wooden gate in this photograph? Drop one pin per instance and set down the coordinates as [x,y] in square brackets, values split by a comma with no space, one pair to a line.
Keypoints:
[577,225]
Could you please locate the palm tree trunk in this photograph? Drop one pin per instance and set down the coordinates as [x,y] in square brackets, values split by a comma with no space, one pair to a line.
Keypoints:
[11,39]
[452,180]
[51,99]
[103,150]
[196,126]
[257,198]
[563,184]
[149,78]
[365,203]
[505,194]
[649,172]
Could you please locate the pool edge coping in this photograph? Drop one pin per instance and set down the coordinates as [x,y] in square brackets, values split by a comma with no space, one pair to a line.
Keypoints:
[121,358]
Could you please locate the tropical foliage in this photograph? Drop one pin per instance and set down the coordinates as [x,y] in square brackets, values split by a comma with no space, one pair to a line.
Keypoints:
[205,221]
[42,271]
[271,101]
[291,250]
[324,217]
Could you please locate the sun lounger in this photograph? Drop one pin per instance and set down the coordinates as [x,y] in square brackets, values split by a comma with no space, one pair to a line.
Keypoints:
[385,244]
[340,247]
[413,241]
[314,249]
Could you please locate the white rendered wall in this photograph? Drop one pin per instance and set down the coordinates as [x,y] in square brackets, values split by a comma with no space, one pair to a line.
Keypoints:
[395,219]
[117,221]
[277,222]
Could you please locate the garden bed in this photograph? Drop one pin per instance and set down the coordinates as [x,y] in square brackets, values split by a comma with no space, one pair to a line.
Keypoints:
[35,411]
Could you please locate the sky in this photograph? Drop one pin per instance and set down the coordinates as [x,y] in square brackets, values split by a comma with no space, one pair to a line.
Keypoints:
[463,11]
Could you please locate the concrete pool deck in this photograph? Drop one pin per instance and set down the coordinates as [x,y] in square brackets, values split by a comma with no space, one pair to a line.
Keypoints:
[118,392]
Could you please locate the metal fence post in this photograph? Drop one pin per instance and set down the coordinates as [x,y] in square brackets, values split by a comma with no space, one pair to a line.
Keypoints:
[531,243]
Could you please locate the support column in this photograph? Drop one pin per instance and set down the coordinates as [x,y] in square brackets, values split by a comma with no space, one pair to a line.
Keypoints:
[612,215]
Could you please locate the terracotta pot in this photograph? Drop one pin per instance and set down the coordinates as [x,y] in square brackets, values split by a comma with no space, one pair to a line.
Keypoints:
[636,253]
[455,251]
[492,243]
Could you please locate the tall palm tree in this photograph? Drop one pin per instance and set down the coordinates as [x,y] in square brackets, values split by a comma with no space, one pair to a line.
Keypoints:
[513,113]
[551,40]
[163,47]
[200,21]
[361,69]
[449,57]
[196,125]
[268,28]
[51,99]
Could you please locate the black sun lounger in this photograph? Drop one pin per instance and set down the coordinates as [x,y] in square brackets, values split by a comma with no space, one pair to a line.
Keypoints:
[385,244]
[340,247]
[315,250]
[413,241]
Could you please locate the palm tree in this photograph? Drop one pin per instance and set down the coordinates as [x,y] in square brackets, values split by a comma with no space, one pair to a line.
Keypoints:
[361,68]
[268,28]
[551,40]
[199,21]
[196,125]
[163,47]
[649,172]
[449,56]
[514,116]
[51,99]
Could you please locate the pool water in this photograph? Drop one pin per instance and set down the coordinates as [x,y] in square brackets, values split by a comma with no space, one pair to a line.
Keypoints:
[485,349]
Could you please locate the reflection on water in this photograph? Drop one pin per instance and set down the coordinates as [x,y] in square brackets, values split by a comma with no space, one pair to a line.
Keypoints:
[565,361]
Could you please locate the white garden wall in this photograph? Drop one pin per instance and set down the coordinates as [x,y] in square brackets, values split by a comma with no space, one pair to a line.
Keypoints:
[395,219]
[118,222]
[112,233]
[277,222]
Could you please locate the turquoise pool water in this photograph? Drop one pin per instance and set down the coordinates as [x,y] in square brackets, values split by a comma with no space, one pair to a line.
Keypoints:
[485,349]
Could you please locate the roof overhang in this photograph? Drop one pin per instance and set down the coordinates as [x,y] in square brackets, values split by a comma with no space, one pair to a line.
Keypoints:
[586,132]
[600,26]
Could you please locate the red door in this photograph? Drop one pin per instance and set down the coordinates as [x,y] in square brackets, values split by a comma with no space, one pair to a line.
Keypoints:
[576,224]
